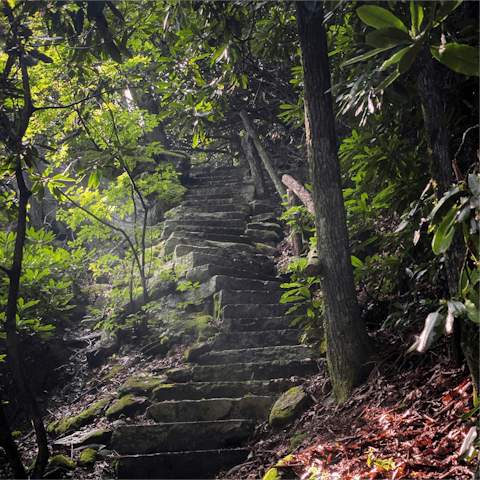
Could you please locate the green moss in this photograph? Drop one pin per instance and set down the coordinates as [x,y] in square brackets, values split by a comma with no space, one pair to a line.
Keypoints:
[201,328]
[84,418]
[295,441]
[51,427]
[62,462]
[88,458]
[115,369]
[272,474]
[140,385]
[98,436]
[125,406]
[287,406]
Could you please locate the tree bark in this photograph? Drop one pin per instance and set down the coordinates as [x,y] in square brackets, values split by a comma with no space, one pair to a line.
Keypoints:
[300,191]
[255,166]
[348,344]
[263,154]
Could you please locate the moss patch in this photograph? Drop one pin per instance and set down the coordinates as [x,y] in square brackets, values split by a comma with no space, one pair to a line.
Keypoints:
[84,418]
[201,328]
[98,436]
[115,369]
[287,407]
[295,441]
[88,458]
[140,385]
[126,406]
[51,427]
[62,462]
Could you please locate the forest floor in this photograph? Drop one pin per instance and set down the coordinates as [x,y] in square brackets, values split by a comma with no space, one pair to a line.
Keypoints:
[405,421]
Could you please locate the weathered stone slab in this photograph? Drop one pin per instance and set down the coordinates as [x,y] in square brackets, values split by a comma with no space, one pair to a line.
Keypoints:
[254,407]
[233,251]
[255,355]
[263,338]
[176,437]
[204,272]
[270,226]
[245,191]
[140,385]
[243,371]
[255,310]
[249,324]
[227,296]
[170,227]
[199,222]
[202,239]
[127,406]
[198,391]
[263,236]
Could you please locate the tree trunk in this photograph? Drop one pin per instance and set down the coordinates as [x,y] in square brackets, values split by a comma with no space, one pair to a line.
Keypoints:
[465,342]
[348,344]
[255,167]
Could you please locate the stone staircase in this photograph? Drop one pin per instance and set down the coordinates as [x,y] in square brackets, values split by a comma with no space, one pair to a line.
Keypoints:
[211,407]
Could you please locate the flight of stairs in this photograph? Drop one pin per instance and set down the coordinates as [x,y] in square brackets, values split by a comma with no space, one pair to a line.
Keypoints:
[212,407]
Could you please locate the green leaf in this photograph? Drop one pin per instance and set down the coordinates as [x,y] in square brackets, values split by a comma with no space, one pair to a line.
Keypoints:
[455,307]
[388,37]
[416,13]
[444,233]
[364,56]
[446,9]
[395,58]
[460,58]
[432,331]
[444,205]
[472,311]
[94,180]
[474,183]
[407,59]
[305,292]
[356,262]
[379,17]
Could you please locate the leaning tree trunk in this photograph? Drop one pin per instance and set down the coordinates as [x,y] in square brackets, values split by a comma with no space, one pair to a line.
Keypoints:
[348,344]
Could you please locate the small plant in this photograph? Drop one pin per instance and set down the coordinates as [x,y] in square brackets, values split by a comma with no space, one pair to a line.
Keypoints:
[385,463]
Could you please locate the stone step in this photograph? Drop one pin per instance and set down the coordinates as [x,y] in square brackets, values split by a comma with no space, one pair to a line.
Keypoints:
[241,190]
[224,252]
[173,465]
[197,259]
[257,297]
[255,339]
[204,272]
[201,238]
[253,408]
[205,291]
[194,206]
[178,437]
[199,221]
[256,355]
[188,213]
[202,390]
[244,371]
[219,232]
[256,324]
[259,310]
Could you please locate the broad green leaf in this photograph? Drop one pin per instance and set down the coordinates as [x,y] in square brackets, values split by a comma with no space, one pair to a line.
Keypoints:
[407,59]
[305,292]
[416,13]
[444,205]
[460,58]
[472,311]
[364,56]
[379,17]
[356,262]
[388,37]
[446,9]
[455,307]
[395,58]
[432,331]
[444,233]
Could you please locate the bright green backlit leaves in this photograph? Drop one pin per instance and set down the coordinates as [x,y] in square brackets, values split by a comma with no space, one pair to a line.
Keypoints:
[391,32]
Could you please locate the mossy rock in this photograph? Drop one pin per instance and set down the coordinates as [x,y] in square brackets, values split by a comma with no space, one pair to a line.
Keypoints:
[127,405]
[51,426]
[88,458]
[62,462]
[287,407]
[295,441]
[140,386]
[102,436]
[75,423]
[195,351]
[201,328]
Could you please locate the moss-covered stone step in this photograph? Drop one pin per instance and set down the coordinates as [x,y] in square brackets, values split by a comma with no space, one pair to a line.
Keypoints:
[256,355]
[189,214]
[182,436]
[199,222]
[238,251]
[258,311]
[202,390]
[253,407]
[200,238]
[261,338]
[216,207]
[203,273]
[250,324]
[243,371]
